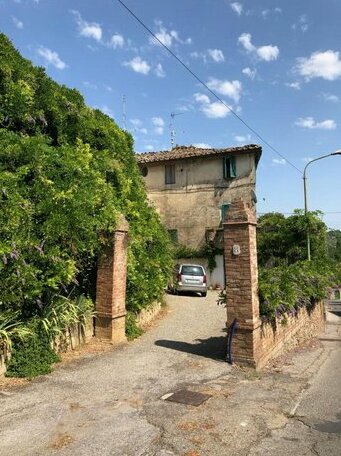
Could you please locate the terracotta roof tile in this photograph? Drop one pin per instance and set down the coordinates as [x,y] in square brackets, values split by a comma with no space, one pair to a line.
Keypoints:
[183,152]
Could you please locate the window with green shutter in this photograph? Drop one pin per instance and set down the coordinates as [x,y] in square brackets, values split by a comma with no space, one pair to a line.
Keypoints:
[229,167]
[223,211]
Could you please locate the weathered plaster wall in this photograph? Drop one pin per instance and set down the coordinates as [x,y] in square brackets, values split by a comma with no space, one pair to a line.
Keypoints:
[192,204]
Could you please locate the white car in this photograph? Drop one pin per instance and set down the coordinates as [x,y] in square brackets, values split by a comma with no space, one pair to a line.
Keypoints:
[191,277]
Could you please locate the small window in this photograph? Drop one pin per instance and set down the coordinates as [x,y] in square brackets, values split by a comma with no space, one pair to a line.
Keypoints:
[223,211]
[170,174]
[229,167]
[144,171]
[173,234]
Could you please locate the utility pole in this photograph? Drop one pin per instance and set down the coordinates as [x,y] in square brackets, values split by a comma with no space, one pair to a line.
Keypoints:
[171,126]
[338,152]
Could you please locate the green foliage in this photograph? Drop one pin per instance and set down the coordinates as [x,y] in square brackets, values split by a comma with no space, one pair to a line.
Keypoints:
[284,289]
[208,251]
[334,244]
[11,328]
[283,240]
[132,330]
[66,172]
[31,356]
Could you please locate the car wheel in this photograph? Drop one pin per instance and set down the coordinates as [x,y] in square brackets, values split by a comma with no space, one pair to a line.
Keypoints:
[204,294]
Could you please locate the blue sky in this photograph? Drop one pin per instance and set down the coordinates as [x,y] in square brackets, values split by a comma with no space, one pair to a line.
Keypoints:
[277,64]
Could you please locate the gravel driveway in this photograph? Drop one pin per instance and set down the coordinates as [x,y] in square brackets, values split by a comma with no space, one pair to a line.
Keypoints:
[98,405]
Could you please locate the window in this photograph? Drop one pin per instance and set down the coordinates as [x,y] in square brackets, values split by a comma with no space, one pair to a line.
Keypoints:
[337,295]
[144,171]
[173,234]
[229,167]
[223,211]
[170,174]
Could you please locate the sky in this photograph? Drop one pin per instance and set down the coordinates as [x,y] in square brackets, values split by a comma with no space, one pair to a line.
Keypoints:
[276,64]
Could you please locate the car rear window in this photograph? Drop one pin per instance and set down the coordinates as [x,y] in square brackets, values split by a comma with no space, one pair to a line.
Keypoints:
[192,270]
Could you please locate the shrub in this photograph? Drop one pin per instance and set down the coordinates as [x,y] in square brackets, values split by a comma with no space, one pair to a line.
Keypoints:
[285,289]
[132,330]
[31,357]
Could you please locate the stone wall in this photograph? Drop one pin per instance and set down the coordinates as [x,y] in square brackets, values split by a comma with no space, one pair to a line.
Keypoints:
[254,342]
[146,316]
[274,340]
[73,337]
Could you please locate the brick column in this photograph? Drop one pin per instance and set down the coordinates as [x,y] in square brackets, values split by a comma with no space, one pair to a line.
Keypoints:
[111,287]
[241,278]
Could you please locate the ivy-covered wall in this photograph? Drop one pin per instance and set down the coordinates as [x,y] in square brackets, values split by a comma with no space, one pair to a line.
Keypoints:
[66,172]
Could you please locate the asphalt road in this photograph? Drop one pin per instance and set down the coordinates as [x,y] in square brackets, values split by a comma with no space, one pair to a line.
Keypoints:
[95,406]
[112,404]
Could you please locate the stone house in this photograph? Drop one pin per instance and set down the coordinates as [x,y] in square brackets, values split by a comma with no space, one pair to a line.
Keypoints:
[192,188]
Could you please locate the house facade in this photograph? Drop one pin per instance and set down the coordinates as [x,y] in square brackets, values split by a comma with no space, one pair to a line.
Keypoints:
[192,188]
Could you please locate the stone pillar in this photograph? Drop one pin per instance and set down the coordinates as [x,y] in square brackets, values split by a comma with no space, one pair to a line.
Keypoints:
[111,287]
[241,278]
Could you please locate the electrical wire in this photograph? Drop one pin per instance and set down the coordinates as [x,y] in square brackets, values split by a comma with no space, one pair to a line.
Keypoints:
[260,137]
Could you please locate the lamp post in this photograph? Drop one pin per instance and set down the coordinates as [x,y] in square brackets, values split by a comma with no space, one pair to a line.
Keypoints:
[338,152]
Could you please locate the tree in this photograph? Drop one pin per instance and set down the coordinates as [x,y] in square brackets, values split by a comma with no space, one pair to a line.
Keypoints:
[283,240]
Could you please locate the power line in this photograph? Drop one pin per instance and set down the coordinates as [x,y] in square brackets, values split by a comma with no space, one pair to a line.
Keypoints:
[206,87]
[294,213]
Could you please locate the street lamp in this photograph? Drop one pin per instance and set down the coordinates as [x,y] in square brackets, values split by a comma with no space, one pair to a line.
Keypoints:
[338,152]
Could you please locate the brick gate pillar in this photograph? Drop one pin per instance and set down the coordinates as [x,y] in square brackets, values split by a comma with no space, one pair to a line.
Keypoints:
[111,287]
[241,278]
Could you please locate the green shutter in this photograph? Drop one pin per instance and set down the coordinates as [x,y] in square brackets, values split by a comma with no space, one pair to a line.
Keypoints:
[229,167]
[232,167]
[224,210]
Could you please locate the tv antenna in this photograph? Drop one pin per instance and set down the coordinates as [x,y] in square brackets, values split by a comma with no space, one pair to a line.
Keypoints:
[171,126]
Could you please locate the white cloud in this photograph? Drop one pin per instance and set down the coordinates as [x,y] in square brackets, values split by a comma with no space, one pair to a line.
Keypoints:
[279,161]
[266,12]
[17,23]
[138,65]
[293,85]
[107,111]
[108,88]
[149,147]
[331,97]
[302,24]
[216,55]
[214,110]
[51,58]
[202,146]
[267,52]
[231,89]
[237,8]
[136,122]
[245,40]
[117,41]
[158,121]
[167,37]
[250,73]
[159,71]
[326,65]
[90,85]
[159,124]
[312,124]
[307,159]
[144,131]
[242,139]
[88,29]
[201,98]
